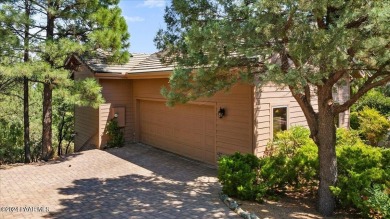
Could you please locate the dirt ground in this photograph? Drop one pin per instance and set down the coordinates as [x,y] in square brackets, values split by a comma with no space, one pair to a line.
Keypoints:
[293,205]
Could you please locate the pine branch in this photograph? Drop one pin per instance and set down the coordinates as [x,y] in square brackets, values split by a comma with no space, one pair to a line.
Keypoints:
[356,23]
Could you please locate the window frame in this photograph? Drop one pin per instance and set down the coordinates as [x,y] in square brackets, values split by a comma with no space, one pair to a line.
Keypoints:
[272,117]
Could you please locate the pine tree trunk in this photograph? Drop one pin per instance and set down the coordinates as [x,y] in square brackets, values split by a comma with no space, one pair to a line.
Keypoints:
[61,133]
[47,150]
[26,114]
[26,120]
[326,141]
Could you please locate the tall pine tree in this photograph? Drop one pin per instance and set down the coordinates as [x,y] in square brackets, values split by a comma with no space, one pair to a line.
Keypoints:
[54,29]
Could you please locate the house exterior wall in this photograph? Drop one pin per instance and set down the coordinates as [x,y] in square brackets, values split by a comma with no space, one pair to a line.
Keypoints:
[269,95]
[246,127]
[86,118]
[117,94]
[265,98]
[233,132]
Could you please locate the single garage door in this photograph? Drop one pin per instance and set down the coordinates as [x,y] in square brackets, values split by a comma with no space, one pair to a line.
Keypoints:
[187,130]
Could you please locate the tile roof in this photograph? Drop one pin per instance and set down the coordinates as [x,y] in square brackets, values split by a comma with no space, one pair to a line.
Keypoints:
[138,63]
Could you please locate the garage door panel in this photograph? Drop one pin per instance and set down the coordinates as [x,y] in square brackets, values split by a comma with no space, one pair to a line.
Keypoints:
[188,130]
[210,141]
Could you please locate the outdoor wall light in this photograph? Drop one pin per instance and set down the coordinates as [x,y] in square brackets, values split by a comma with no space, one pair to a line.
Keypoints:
[116,115]
[221,112]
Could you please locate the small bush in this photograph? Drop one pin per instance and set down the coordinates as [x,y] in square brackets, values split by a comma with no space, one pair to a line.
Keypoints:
[359,168]
[293,152]
[296,171]
[294,163]
[287,142]
[373,126]
[115,134]
[239,175]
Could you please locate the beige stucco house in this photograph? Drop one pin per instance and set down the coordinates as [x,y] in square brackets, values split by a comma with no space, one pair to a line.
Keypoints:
[194,130]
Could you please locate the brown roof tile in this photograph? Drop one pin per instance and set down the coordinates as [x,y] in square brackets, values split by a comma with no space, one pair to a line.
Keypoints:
[138,63]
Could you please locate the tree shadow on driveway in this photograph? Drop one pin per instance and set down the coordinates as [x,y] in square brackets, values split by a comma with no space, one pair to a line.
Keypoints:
[158,185]
[163,163]
[137,196]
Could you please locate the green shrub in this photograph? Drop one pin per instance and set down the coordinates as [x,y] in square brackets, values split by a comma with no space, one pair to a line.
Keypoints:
[347,137]
[379,201]
[363,171]
[373,126]
[274,171]
[11,142]
[354,120]
[305,165]
[374,99]
[293,152]
[280,171]
[287,142]
[239,176]
[359,167]
[386,167]
[115,134]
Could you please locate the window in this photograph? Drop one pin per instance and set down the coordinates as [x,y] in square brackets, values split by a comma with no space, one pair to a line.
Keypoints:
[279,115]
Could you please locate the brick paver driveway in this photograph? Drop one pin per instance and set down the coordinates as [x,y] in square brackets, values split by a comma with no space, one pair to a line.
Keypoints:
[136,181]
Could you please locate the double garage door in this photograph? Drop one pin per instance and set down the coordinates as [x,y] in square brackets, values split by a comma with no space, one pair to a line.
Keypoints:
[188,130]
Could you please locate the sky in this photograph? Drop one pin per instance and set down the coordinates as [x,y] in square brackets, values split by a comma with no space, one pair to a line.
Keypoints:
[144,18]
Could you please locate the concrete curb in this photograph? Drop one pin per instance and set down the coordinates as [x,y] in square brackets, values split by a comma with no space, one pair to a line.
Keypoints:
[233,205]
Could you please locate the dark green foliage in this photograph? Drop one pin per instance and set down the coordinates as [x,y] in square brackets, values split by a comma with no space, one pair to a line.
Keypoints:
[295,44]
[11,130]
[354,120]
[204,34]
[71,27]
[294,153]
[304,166]
[239,175]
[273,171]
[386,164]
[363,180]
[115,134]
[379,201]
[360,167]
[248,177]
[11,142]
[375,99]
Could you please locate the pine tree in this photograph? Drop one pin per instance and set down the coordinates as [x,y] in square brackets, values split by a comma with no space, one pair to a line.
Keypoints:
[55,29]
[295,44]
[11,21]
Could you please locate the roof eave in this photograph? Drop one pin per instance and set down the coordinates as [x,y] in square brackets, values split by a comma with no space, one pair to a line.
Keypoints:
[140,75]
